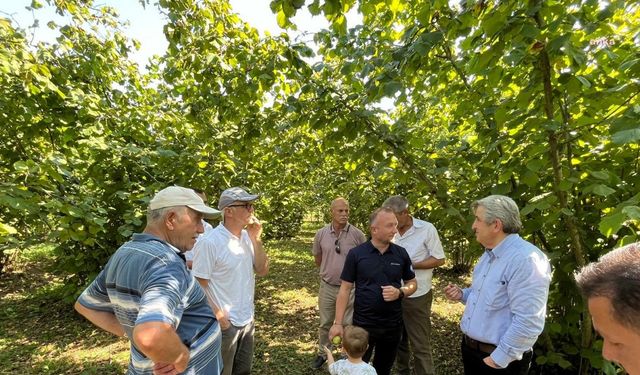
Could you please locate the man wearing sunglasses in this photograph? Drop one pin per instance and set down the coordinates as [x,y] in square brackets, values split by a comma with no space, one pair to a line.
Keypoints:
[225,263]
[331,245]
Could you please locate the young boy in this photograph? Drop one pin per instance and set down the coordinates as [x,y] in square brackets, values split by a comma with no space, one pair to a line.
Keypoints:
[355,343]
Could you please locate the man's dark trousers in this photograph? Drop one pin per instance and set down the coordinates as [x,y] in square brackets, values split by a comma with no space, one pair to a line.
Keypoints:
[385,341]
[472,359]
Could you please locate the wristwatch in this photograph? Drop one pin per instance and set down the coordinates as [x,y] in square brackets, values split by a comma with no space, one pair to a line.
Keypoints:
[401,295]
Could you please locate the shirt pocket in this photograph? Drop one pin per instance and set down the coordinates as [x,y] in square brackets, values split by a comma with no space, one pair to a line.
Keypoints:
[497,296]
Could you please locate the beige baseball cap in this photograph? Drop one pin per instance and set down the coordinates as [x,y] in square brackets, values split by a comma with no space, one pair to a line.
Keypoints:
[180,196]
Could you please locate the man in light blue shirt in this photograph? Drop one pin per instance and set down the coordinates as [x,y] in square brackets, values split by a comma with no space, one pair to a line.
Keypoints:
[505,306]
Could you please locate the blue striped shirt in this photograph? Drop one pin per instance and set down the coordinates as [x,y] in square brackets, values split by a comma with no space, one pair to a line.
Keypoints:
[506,304]
[146,281]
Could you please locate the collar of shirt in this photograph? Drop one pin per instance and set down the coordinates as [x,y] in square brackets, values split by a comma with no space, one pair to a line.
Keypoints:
[415,224]
[227,233]
[390,249]
[345,229]
[144,237]
[503,246]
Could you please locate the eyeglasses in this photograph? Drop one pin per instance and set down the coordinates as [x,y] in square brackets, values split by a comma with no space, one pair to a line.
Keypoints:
[248,206]
[337,246]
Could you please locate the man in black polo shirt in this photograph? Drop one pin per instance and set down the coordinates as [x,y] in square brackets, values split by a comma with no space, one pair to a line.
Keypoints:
[378,268]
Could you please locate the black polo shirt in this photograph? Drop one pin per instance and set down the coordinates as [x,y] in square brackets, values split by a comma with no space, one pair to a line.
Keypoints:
[370,270]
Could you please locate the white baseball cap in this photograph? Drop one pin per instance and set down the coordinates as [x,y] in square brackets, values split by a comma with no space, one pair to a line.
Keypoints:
[180,196]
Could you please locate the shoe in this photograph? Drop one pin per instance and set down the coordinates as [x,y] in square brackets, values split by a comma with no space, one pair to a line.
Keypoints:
[318,362]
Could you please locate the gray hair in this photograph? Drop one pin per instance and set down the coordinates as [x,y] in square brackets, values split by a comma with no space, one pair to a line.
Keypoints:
[154,216]
[500,207]
[616,276]
[397,203]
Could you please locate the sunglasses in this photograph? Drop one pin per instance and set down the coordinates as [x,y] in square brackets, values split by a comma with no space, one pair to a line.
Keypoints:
[337,247]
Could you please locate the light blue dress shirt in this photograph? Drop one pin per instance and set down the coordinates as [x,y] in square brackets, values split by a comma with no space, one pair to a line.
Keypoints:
[507,302]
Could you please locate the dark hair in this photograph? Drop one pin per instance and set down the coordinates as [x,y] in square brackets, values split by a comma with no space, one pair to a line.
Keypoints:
[377,211]
[616,276]
[355,341]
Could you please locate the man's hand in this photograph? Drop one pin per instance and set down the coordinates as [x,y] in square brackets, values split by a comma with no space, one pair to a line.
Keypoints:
[489,362]
[390,293]
[254,228]
[164,369]
[453,292]
[224,322]
[336,330]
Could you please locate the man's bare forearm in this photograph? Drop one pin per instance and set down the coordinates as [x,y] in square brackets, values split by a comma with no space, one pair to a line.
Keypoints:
[103,319]
[428,263]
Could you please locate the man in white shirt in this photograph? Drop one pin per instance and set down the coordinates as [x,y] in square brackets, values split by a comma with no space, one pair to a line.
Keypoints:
[421,241]
[224,263]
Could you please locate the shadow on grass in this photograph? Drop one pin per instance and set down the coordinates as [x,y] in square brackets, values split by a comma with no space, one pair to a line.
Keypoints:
[39,333]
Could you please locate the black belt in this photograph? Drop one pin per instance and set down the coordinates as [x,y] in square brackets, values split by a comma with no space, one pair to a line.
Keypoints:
[478,345]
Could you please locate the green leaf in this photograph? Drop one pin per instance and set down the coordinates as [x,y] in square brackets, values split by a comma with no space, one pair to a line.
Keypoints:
[632,212]
[599,189]
[610,225]
[602,175]
[7,229]
[585,82]
[391,88]
[281,18]
[626,136]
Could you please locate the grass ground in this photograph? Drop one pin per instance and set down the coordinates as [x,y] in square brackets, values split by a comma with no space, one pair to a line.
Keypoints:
[42,335]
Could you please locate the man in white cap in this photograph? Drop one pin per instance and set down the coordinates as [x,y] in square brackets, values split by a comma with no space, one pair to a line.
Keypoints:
[225,260]
[146,292]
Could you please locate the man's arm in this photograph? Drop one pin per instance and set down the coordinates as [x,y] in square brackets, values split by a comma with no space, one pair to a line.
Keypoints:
[260,259]
[430,262]
[528,290]
[221,315]
[160,343]
[261,264]
[391,293]
[341,305]
[434,248]
[103,319]
[316,250]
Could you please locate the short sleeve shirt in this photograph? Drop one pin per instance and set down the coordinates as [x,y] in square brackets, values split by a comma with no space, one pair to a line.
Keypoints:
[227,262]
[421,242]
[146,281]
[326,241]
[370,270]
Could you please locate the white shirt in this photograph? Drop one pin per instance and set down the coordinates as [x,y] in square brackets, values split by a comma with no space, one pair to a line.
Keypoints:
[227,262]
[344,367]
[421,242]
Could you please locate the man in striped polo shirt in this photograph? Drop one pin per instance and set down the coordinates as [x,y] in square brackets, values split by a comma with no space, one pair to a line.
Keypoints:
[147,293]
